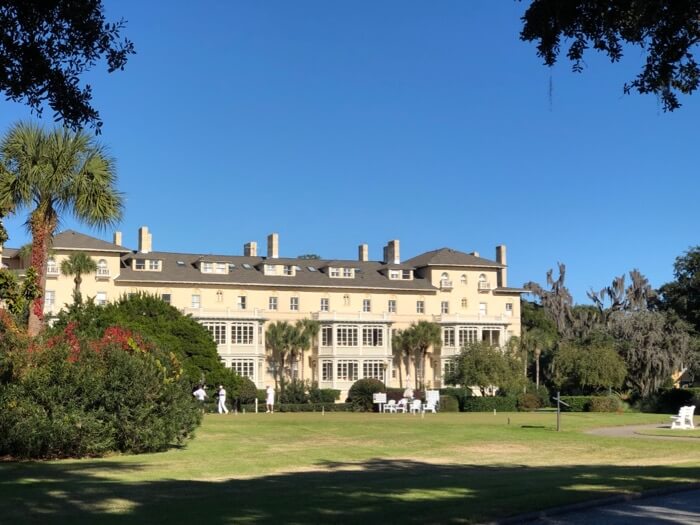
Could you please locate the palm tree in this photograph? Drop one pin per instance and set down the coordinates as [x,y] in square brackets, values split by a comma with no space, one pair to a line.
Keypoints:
[278,341]
[52,173]
[536,340]
[78,264]
[421,337]
[306,332]
[402,351]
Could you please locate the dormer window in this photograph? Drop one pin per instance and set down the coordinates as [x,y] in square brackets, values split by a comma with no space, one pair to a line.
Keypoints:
[154,265]
[139,264]
[207,267]
[289,270]
[394,274]
[407,275]
[334,272]
[347,273]
[220,267]
[270,269]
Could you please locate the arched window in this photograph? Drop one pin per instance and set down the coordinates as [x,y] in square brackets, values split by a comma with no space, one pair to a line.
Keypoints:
[102,267]
[51,266]
[444,277]
[219,296]
[346,300]
[483,283]
[463,278]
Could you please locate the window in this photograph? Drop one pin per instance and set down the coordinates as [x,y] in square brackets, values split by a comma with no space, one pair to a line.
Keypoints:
[207,267]
[272,303]
[217,331]
[220,268]
[509,308]
[466,335]
[326,335]
[392,306]
[394,274]
[407,274]
[101,298]
[444,307]
[347,272]
[346,300]
[449,368]
[289,270]
[373,369]
[244,367]
[139,264]
[242,333]
[464,302]
[372,336]
[166,297]
[294,304]
[420,307]
[491,337]
[270,269]
[231,267]
[219,296]
[334,272]
[366,305]
[483,283]
[326,370]
[347,335]
[482,309]
[49,298]
[196,301]
[241,302]
[324,304]
[102,270]
[154,265]
[448,336]
[463,278]
[347,370]
[51,266]
[445,276]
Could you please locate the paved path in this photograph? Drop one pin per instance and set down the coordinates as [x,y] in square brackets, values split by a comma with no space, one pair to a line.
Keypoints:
[631,432]
[677,508]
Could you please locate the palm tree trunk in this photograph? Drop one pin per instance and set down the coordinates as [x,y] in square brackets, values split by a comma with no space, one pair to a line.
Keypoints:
[302,364]
[42,231]
[537,369]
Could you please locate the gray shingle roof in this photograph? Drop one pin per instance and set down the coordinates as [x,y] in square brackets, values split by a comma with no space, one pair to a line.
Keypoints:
[367,274]
[72,240]
[450,257]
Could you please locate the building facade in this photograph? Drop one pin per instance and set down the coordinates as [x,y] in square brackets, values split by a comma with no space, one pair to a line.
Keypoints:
[358,303]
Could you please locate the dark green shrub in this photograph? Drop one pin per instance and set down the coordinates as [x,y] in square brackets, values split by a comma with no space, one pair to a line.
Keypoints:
[394,393]
[360,394]
[541,392]
[576,403]
[488,404]
[460,394]
[671,400]
[303,407]
[293,392]
[528,402]
[605,404]
[449,404]
[323,395]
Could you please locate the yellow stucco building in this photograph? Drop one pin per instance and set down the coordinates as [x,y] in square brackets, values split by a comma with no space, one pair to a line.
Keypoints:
[358,303]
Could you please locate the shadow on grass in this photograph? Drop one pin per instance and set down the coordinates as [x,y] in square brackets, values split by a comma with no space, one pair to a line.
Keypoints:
[374,491]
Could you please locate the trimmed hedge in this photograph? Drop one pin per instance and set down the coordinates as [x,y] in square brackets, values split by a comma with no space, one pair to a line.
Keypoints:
[605,404]
[302,407]
[460,394]
[488,404]
[576,403]
[528,402]
[324,395]
[449,404]
[669,401]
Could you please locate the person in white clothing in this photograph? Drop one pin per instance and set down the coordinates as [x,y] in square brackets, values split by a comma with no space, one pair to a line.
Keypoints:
[222,400]
[270,399]
[199,394]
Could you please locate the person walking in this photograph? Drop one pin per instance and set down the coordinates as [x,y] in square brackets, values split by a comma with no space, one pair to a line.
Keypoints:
[222,400]
[270,400]
[199,394]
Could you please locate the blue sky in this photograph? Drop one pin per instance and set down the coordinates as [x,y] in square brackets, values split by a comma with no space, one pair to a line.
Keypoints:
[339,123]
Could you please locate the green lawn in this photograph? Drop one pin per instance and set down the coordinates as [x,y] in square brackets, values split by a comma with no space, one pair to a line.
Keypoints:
[668,432]
[345,468]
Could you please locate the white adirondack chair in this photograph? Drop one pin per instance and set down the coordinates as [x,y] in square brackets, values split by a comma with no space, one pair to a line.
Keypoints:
[416,406]
[401,405]
[430,406]
[390,406]
[684,419]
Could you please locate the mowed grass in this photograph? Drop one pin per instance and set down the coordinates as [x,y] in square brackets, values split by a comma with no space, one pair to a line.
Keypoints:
[668,432]
[352,468]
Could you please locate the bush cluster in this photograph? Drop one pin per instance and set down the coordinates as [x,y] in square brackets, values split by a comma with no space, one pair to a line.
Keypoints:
[592,403]
[361,392]
[488,404]
[303,407]
[297,392]
[449,404]
[67,397]
[669,400]
[528,402]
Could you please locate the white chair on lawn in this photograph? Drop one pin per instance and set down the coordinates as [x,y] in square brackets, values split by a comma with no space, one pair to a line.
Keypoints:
[390,406]
[416,406]
[429,406]
[684,419]
[401,405]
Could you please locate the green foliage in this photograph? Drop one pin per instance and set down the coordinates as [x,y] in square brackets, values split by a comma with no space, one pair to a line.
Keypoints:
[305,407]
[72,398]
[668,401]
[323,395]
[78,264]
[682,295]
[294,392]
[589,368]
[163,325]
[488,404]
[484,366]
[576,403]
[528,401]
[449,404]
[665,34]
[605,404]
[361,391]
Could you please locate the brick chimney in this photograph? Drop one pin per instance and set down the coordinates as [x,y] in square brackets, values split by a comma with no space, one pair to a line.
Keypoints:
[501,259]
[145,240]
[117,238]
[273,246]
[363,252]
[392,254]
[250,249]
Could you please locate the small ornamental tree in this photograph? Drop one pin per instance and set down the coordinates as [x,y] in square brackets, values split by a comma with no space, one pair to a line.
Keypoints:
[483,366]
[361,392]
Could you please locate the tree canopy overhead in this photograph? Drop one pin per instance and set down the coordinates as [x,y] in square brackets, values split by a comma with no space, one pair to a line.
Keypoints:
[46,46]
[667,32]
